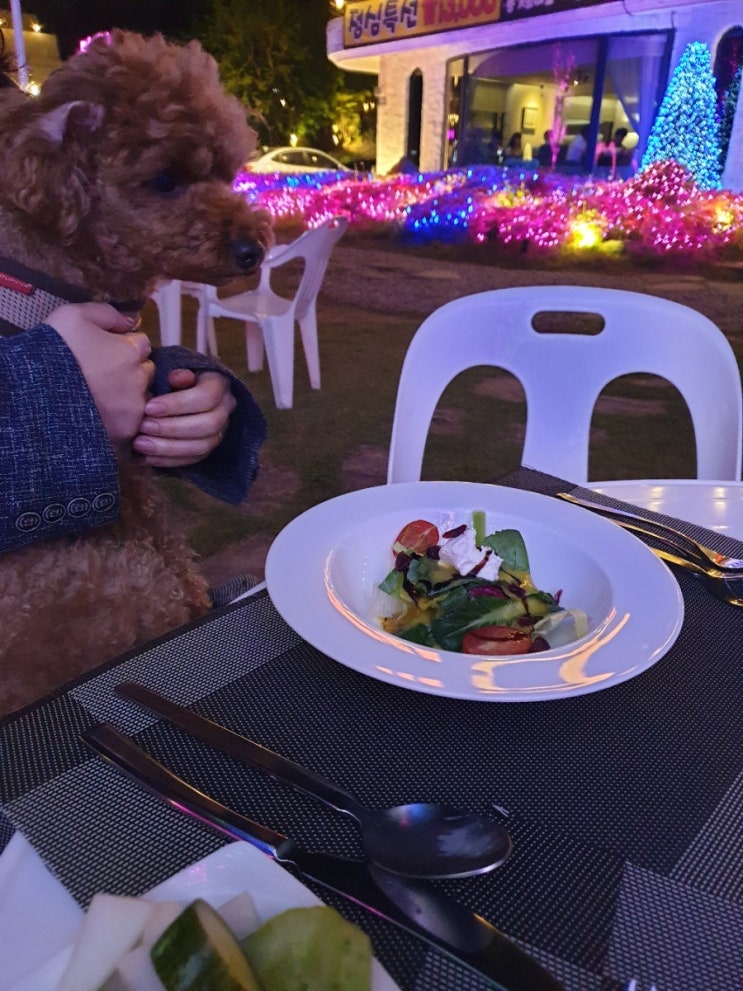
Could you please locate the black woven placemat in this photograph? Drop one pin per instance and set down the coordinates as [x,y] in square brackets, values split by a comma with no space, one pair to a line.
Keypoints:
[622,804]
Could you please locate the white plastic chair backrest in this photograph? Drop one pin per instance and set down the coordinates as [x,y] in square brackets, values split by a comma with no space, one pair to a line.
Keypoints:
[315,247]
[563,374]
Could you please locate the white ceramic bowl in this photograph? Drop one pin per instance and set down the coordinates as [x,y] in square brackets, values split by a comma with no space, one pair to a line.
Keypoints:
[323,570]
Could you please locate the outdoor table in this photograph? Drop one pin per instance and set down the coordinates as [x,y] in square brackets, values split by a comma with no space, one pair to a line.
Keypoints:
[625,872]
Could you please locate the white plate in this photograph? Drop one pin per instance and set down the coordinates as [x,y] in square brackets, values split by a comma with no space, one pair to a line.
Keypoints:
[323,569]
[230,870]
[715,505]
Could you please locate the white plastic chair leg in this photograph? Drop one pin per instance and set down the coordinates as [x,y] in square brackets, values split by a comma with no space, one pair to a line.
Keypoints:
[211,337]
[201,322]
[254,346]
[168,302]
[308,333]
[206,337]
[278,339]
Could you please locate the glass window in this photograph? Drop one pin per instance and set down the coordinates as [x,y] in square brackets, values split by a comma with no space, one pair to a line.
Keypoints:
[560,102]
[319,161]
[728,73]
[634,69]
[291,157]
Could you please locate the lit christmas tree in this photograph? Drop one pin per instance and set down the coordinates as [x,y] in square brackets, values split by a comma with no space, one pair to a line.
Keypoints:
[686,129]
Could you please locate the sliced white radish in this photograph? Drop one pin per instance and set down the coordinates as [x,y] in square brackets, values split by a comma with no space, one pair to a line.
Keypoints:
[241,915]
[111,926]
[135,972]
[162,914]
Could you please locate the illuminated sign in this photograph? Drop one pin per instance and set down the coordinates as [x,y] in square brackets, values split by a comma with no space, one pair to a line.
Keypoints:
[377,21]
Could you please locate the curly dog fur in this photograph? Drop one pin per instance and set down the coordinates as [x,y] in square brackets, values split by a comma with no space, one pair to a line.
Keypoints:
[118,174]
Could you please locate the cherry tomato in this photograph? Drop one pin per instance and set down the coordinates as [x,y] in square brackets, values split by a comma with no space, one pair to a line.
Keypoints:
[416,537]
[496,640]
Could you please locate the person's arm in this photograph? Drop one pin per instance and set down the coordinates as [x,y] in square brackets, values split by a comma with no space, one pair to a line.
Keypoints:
[227,471]
[57,466]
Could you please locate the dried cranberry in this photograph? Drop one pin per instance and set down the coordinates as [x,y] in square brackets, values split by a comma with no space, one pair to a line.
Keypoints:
[493,590]
[455,532]
[433,552]
[402,561]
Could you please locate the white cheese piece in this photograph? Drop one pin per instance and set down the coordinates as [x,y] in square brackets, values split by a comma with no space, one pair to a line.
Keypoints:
[463,554]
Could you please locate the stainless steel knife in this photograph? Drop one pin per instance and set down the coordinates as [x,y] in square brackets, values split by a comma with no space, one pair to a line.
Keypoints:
[238,746]
[460,845]
[412,905]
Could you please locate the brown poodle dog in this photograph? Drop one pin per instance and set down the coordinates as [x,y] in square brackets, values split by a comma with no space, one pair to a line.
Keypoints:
[118,174]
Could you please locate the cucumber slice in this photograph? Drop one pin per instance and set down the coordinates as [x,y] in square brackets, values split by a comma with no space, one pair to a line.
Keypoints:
[478,525]
[310,949]
[198,952]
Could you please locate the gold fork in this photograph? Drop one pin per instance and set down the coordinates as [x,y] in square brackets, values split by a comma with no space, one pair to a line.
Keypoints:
[721,584]
[668,535]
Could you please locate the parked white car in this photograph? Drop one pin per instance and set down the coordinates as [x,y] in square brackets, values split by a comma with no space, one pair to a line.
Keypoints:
[295,160]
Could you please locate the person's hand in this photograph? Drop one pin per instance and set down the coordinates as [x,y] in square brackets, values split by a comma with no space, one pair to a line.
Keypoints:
[114,361]
[184,426]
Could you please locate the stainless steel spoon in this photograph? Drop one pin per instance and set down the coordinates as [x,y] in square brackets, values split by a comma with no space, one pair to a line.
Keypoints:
[422,839]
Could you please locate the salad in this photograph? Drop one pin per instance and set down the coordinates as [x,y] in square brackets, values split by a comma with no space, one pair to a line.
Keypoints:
[132,944]
[467,591]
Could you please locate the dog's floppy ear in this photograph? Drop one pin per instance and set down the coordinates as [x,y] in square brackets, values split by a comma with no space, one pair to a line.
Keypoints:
[47,159]
[77,114]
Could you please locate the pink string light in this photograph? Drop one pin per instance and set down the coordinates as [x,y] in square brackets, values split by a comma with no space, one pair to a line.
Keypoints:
[660,211]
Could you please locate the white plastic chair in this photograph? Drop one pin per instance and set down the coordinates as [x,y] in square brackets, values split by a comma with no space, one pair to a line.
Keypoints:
[269,318]
[563,374]
[167,298]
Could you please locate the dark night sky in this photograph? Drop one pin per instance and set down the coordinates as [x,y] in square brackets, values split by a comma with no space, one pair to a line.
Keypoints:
[71,20]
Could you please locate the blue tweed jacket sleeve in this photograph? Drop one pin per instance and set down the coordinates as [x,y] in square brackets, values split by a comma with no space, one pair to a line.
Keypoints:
[228,471]
[58,472]
[57,468]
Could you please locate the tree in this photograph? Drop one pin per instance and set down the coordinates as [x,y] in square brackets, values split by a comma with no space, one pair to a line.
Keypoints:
[260,56]
[686,130]
[272,56]
[562,73]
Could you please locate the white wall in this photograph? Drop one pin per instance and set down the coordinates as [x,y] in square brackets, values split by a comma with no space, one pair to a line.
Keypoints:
[392,109]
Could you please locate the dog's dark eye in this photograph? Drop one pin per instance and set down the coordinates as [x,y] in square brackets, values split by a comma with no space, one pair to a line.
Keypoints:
[163,182]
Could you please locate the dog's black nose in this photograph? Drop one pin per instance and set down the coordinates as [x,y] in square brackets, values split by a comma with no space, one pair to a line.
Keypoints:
[248,254]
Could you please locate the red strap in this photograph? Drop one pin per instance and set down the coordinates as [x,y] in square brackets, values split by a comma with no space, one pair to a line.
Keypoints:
[10,282]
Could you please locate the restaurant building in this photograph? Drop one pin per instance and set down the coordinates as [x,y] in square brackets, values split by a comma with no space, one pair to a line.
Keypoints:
[457,78]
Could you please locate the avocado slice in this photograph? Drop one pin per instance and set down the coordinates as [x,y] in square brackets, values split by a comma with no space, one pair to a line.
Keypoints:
[310,949]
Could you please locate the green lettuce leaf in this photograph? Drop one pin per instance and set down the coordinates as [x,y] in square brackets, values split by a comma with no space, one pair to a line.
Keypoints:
[459,613]
[420,633]
[509,545]
[392,584]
